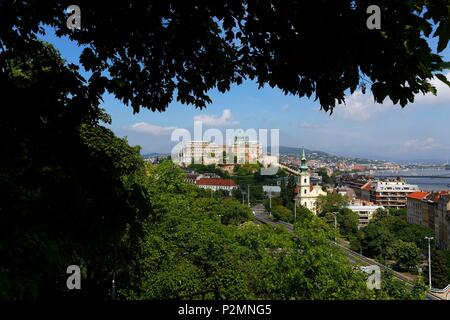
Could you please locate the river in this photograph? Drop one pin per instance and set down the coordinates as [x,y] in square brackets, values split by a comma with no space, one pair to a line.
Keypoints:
[427,183]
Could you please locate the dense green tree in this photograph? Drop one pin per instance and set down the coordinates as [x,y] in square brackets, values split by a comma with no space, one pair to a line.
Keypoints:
[377,240]
[400,213]
[407,255]
[238,194]
[389,236]
[68,185]
[326,179]
[189,254]
[332,202]
[211,168]
[416,234]
[288,192]
[393,289]
[379,214]
[356,240]
[233,212]
[323,271]
[440,268]
[282,213]
[348,221]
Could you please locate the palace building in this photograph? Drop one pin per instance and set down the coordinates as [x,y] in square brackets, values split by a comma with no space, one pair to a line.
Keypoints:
[307,193]
[206,152]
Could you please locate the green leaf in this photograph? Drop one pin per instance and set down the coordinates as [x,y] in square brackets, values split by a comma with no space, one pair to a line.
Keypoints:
[443,78]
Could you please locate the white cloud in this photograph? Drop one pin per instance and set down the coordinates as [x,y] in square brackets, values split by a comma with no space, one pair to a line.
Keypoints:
[361,107]
[442,96]
[285,107]
[423,144]
[225,119]
[143,127]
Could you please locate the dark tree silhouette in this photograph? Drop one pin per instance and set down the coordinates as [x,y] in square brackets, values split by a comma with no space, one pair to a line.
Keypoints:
[148,52]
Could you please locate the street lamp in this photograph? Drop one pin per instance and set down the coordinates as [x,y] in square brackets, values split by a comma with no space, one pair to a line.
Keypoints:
[113,290]
[270,202]
[429,260]
[295,210]
[335,225]
[113,293]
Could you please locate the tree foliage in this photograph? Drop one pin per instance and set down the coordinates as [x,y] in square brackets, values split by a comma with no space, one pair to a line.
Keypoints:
[348,221]
[440,268]
[331,202]
[389,236]
[188,254]
[282,213]
[179,49]
[394,289]
[67,183]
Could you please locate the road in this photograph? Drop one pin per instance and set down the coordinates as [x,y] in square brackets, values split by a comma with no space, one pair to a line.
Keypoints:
[262,215]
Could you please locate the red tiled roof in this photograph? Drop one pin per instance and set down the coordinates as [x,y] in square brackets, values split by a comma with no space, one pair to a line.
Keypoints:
[311,188]
[215,182]
[367,186]
[419,195]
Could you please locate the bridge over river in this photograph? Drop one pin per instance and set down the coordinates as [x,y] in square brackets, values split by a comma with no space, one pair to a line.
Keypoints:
[445,176]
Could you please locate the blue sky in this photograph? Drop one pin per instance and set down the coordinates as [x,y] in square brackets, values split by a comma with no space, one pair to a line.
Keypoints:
[360,128]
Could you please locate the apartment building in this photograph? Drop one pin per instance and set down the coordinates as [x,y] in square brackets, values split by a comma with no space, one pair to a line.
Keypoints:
[417,206]
[365,212]
[391,193]
[431,209]
[442,222]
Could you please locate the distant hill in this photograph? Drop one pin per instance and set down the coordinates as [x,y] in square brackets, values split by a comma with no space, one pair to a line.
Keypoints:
[155,154]
[298,151]
[316,154]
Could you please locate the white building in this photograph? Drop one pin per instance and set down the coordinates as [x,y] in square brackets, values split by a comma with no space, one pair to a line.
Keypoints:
[365,213]
[205,152]
[216,184]
[272,190]
[391,193]
[307,193]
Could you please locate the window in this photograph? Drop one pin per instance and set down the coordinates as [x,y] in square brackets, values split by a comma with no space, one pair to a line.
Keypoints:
[304,191]
[304,180]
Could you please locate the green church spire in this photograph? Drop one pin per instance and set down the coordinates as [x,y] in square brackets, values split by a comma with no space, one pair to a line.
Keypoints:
[303,166]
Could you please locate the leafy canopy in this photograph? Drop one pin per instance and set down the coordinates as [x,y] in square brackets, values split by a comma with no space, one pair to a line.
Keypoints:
[148,53]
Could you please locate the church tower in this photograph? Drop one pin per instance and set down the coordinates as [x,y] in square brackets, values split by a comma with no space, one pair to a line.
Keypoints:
[303,183]
[307,194]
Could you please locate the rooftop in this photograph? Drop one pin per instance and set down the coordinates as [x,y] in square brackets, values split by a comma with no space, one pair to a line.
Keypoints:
[417,195]
[215,182]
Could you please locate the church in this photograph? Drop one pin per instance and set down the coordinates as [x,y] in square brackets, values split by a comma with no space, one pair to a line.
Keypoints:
[307,193]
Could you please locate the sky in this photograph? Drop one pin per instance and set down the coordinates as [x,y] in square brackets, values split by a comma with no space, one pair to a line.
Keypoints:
[360,128]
